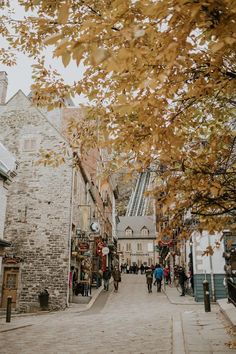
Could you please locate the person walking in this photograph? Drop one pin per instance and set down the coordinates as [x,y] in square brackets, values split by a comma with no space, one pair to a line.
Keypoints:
[149,279]
[106,277]
[182,279]
[142,268]
[117,278]
[158,275]
[167,274]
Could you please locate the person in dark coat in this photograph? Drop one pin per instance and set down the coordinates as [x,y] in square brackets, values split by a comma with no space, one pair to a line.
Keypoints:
[149,279]
[106,277]
[117,277]
[182,279]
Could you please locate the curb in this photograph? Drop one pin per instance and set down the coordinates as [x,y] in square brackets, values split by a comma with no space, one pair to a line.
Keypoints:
[181,303]
[228,310]
[93,299]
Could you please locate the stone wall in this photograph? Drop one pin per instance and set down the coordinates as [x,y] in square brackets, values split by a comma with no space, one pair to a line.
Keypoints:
[3,199]
[38,210]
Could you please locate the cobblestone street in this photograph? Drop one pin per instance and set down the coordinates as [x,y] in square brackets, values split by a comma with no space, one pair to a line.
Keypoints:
[130,321]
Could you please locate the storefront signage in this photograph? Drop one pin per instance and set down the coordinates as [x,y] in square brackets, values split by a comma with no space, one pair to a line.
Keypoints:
[83,246]
[139,254]
[105,251]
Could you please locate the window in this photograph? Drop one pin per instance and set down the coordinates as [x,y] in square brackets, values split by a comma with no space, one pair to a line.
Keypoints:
[144,231]
[29,144]
[139,247]
[118,247]
[128,232]
[128,247]
[75,183]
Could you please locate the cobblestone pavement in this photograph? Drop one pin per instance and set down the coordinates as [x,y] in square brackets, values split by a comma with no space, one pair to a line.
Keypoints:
[130,321]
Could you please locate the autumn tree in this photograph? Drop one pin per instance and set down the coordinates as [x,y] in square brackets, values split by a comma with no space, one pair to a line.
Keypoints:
[161,79]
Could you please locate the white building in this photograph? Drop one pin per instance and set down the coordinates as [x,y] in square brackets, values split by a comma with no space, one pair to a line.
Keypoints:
[206,265]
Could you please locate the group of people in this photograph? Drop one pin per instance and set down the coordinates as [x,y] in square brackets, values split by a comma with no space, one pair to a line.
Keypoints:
[163,274]
[155,275]
[132,269]
[107,274]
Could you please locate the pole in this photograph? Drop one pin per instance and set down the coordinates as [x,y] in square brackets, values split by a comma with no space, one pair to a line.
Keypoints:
[154,254]
[212,273]
[206,294]
[8,314]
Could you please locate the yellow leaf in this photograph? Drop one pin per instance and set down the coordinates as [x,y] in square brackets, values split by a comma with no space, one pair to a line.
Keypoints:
[66,58]
[217,46]
[78,54]
[214,191]
[230,40]
[53,39]
[63,13]
[98,56]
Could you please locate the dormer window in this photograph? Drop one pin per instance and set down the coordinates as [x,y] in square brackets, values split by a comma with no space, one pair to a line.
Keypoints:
[128,232]
[144,231]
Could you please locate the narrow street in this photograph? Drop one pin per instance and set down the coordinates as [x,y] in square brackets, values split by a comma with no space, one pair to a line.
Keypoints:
[130,321]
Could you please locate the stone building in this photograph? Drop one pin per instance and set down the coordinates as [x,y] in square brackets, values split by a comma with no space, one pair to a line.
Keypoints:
[50,207]
[8,168]
[136,240]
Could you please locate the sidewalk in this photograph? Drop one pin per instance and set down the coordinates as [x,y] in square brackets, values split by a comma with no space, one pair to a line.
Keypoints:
[227,309]
[174,297]
[22,320]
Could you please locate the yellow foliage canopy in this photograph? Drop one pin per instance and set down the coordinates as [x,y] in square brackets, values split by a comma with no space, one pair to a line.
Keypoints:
[161,75]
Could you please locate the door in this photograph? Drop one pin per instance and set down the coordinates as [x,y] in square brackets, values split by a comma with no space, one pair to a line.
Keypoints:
[10,282]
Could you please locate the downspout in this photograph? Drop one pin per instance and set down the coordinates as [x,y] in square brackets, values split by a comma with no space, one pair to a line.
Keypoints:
[69,237]
[211,271]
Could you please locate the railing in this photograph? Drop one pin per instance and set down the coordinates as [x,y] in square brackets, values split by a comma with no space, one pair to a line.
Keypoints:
[231,292]
[137,202]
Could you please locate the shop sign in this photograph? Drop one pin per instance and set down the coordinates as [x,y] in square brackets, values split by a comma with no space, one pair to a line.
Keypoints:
[139,254]
[83,246]
[165,241]
[105,251]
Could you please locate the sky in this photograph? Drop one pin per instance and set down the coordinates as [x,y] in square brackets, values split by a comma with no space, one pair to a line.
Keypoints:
[20,75]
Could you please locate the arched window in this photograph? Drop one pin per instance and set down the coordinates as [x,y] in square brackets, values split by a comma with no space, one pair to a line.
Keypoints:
[128,232]
[144,231]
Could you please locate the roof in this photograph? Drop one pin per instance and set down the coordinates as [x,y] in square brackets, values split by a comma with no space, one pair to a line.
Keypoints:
[136,223]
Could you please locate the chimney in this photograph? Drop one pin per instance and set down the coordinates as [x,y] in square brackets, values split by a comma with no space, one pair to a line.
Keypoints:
[3,87]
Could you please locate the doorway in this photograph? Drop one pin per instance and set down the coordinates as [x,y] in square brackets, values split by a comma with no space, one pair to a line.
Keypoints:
[10,283]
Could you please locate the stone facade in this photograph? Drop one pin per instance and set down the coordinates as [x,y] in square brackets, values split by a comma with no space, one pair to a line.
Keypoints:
[47,205]
[38,218]
[137,240]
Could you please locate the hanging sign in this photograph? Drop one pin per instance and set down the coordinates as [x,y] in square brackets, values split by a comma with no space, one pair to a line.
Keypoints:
[105,251]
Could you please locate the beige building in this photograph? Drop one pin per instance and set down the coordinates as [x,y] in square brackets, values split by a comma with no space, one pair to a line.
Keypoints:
[137,240]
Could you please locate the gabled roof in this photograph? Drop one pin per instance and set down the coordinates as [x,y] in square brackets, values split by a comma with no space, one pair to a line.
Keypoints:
[136,223]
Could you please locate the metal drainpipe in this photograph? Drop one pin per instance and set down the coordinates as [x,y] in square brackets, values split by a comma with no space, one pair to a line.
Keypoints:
[212,274]
[69,238]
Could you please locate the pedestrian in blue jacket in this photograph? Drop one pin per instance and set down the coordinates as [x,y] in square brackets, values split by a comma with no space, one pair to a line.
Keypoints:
[158,275]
